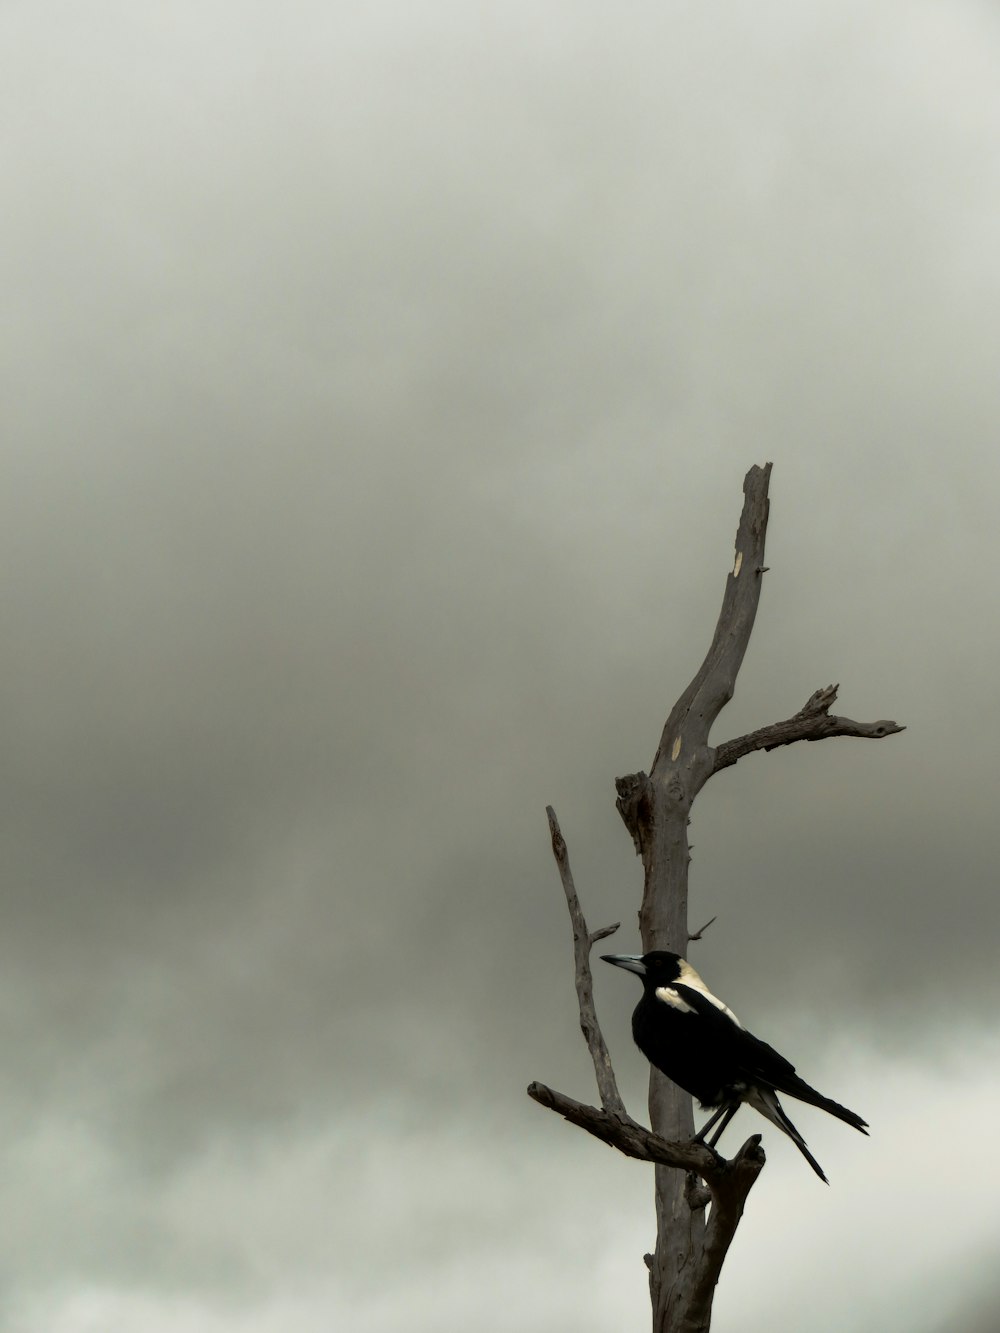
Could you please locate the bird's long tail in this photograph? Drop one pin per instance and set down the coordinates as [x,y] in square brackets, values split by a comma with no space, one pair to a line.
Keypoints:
[800,1089]
[766,1102]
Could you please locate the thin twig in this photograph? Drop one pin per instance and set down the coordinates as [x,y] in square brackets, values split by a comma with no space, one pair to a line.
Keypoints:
[698,933]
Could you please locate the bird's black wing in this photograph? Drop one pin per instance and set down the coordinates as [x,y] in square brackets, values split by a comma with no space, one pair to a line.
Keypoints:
[754,1060]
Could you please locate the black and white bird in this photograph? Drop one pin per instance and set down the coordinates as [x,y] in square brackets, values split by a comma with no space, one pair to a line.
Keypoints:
[700,1044]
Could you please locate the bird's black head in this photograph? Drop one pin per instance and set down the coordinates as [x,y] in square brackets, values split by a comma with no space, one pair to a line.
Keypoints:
[658,968]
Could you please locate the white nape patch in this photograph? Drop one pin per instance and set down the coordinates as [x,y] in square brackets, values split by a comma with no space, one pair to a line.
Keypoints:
[739,564]
[669,996]
[689,977]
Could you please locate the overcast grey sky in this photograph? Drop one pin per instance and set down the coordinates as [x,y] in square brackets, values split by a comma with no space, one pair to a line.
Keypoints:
[379,385]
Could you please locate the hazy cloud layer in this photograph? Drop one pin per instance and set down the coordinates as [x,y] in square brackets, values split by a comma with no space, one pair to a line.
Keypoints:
[379,388]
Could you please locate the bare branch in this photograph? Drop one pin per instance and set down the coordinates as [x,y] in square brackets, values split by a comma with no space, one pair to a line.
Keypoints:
[633,1139]
[583,941]
[813,722]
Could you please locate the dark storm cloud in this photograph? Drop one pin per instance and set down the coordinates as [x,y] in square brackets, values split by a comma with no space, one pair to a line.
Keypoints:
[380,390]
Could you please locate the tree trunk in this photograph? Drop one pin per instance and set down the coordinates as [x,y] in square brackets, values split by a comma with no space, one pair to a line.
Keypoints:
[657,811]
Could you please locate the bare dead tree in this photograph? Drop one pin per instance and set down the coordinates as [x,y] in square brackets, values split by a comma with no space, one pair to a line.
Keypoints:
[699,1195]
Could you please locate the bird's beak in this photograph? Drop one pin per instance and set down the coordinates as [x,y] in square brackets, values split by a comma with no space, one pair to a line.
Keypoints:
[631,962]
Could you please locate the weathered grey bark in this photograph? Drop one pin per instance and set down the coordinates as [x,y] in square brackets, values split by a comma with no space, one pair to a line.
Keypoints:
[690,1244]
